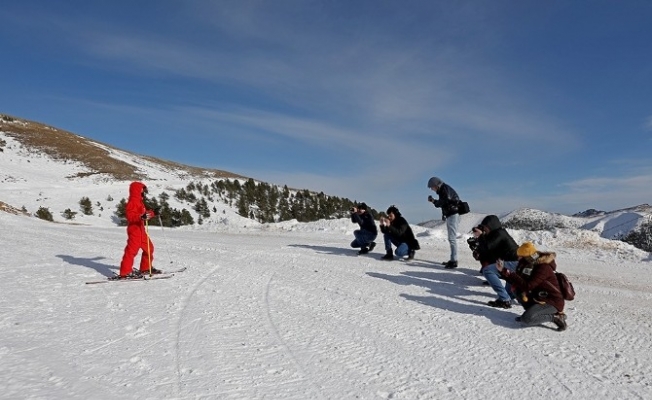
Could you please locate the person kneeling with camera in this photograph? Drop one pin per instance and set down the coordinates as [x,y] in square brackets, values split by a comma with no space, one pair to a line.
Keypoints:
[396,231]
[365,236]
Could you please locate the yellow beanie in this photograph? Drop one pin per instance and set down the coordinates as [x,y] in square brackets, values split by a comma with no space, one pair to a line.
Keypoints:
[527,249]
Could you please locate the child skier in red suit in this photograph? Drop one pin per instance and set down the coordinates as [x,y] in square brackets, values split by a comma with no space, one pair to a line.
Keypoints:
[137,237]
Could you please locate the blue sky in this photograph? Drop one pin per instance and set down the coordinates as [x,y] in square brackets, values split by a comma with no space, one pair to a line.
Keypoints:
[541,104]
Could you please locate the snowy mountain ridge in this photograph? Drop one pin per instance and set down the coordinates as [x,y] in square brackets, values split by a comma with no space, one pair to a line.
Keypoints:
[42,166]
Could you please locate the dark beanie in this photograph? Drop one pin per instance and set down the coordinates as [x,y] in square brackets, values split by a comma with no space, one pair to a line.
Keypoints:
[393,210]
[434,181]
[362,206]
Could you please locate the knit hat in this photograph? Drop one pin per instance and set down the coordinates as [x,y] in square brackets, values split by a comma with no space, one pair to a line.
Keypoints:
[527,249]
[434,181]
[362,206]
[393,210]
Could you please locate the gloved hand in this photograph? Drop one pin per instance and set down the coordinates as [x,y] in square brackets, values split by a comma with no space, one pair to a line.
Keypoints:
[149,214]
[431,199]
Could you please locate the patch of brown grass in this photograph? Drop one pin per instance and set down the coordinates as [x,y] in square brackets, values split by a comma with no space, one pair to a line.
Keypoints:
[63,145]
[11,209]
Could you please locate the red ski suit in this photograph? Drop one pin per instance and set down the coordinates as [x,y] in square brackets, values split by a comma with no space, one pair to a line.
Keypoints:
[137,237]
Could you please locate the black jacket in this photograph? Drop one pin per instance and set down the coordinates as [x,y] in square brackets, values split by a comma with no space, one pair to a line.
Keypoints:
[366,221]
[496,243]
[400,231]
[448,200]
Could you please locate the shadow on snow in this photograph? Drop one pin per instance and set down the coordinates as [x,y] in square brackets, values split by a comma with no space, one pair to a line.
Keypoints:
[453,291]
[104,269]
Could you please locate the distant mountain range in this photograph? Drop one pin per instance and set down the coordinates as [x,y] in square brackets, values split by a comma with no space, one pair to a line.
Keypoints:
[43,166]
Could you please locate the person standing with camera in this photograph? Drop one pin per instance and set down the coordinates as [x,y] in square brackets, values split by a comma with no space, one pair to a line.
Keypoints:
[448,201]
[396,231]
[365,236]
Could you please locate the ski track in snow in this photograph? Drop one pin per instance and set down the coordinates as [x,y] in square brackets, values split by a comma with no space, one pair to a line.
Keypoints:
[298,315]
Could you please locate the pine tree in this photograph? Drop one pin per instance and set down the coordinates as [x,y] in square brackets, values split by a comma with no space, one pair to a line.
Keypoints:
[120,212]
[69,214]
[44,214]
[86,206]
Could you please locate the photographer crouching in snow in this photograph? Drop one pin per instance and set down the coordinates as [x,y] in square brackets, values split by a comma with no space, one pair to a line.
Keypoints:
[365,236]
[396,231]
[536,284]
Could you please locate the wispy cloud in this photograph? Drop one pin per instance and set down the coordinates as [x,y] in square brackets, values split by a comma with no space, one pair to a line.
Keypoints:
[630,186]
[373,80]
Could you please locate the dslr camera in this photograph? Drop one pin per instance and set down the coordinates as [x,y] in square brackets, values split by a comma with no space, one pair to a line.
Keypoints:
[473,243]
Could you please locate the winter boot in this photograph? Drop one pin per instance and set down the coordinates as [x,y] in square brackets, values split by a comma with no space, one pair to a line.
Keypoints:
[450,264]
[388,257]
[500,303]
[154,271]
[372,245]
[560,320]
[132,275]
[363,250]
[410,255]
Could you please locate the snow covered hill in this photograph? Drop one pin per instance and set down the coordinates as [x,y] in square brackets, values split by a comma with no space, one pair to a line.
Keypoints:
[42,166]
[288,310]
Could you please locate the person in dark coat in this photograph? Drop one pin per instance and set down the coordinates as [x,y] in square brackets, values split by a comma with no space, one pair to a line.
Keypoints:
[496,244]
[365,236]
[448,201]
[396,231]
[536,284]
[474,243]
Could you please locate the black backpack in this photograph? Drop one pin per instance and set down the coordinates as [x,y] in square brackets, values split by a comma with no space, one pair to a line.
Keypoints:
[463,208]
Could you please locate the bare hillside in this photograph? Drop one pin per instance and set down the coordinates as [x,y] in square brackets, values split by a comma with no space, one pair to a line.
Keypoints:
[95,156]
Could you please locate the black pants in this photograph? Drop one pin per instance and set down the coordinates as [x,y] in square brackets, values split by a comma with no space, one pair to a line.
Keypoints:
[538,313]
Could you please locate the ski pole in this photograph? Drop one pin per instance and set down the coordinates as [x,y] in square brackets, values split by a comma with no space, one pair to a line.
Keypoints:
[149,254]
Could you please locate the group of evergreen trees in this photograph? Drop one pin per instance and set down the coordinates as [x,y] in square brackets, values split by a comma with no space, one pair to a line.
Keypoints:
[262,202]
[168,216]
[641,238]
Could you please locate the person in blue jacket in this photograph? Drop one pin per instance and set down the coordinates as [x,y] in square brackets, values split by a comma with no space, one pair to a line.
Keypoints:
[365,236]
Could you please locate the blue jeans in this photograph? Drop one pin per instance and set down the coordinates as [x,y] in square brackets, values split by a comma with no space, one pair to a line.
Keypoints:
[363,238]
[452,225]
[492,276]
[402,249]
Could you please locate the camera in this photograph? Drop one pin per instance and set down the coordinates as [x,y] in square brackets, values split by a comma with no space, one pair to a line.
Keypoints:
[473,243]
[352,209]
[431,199]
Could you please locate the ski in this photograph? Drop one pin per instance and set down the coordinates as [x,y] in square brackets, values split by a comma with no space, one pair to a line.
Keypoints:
[145,277]
[176,271]
[142,278]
